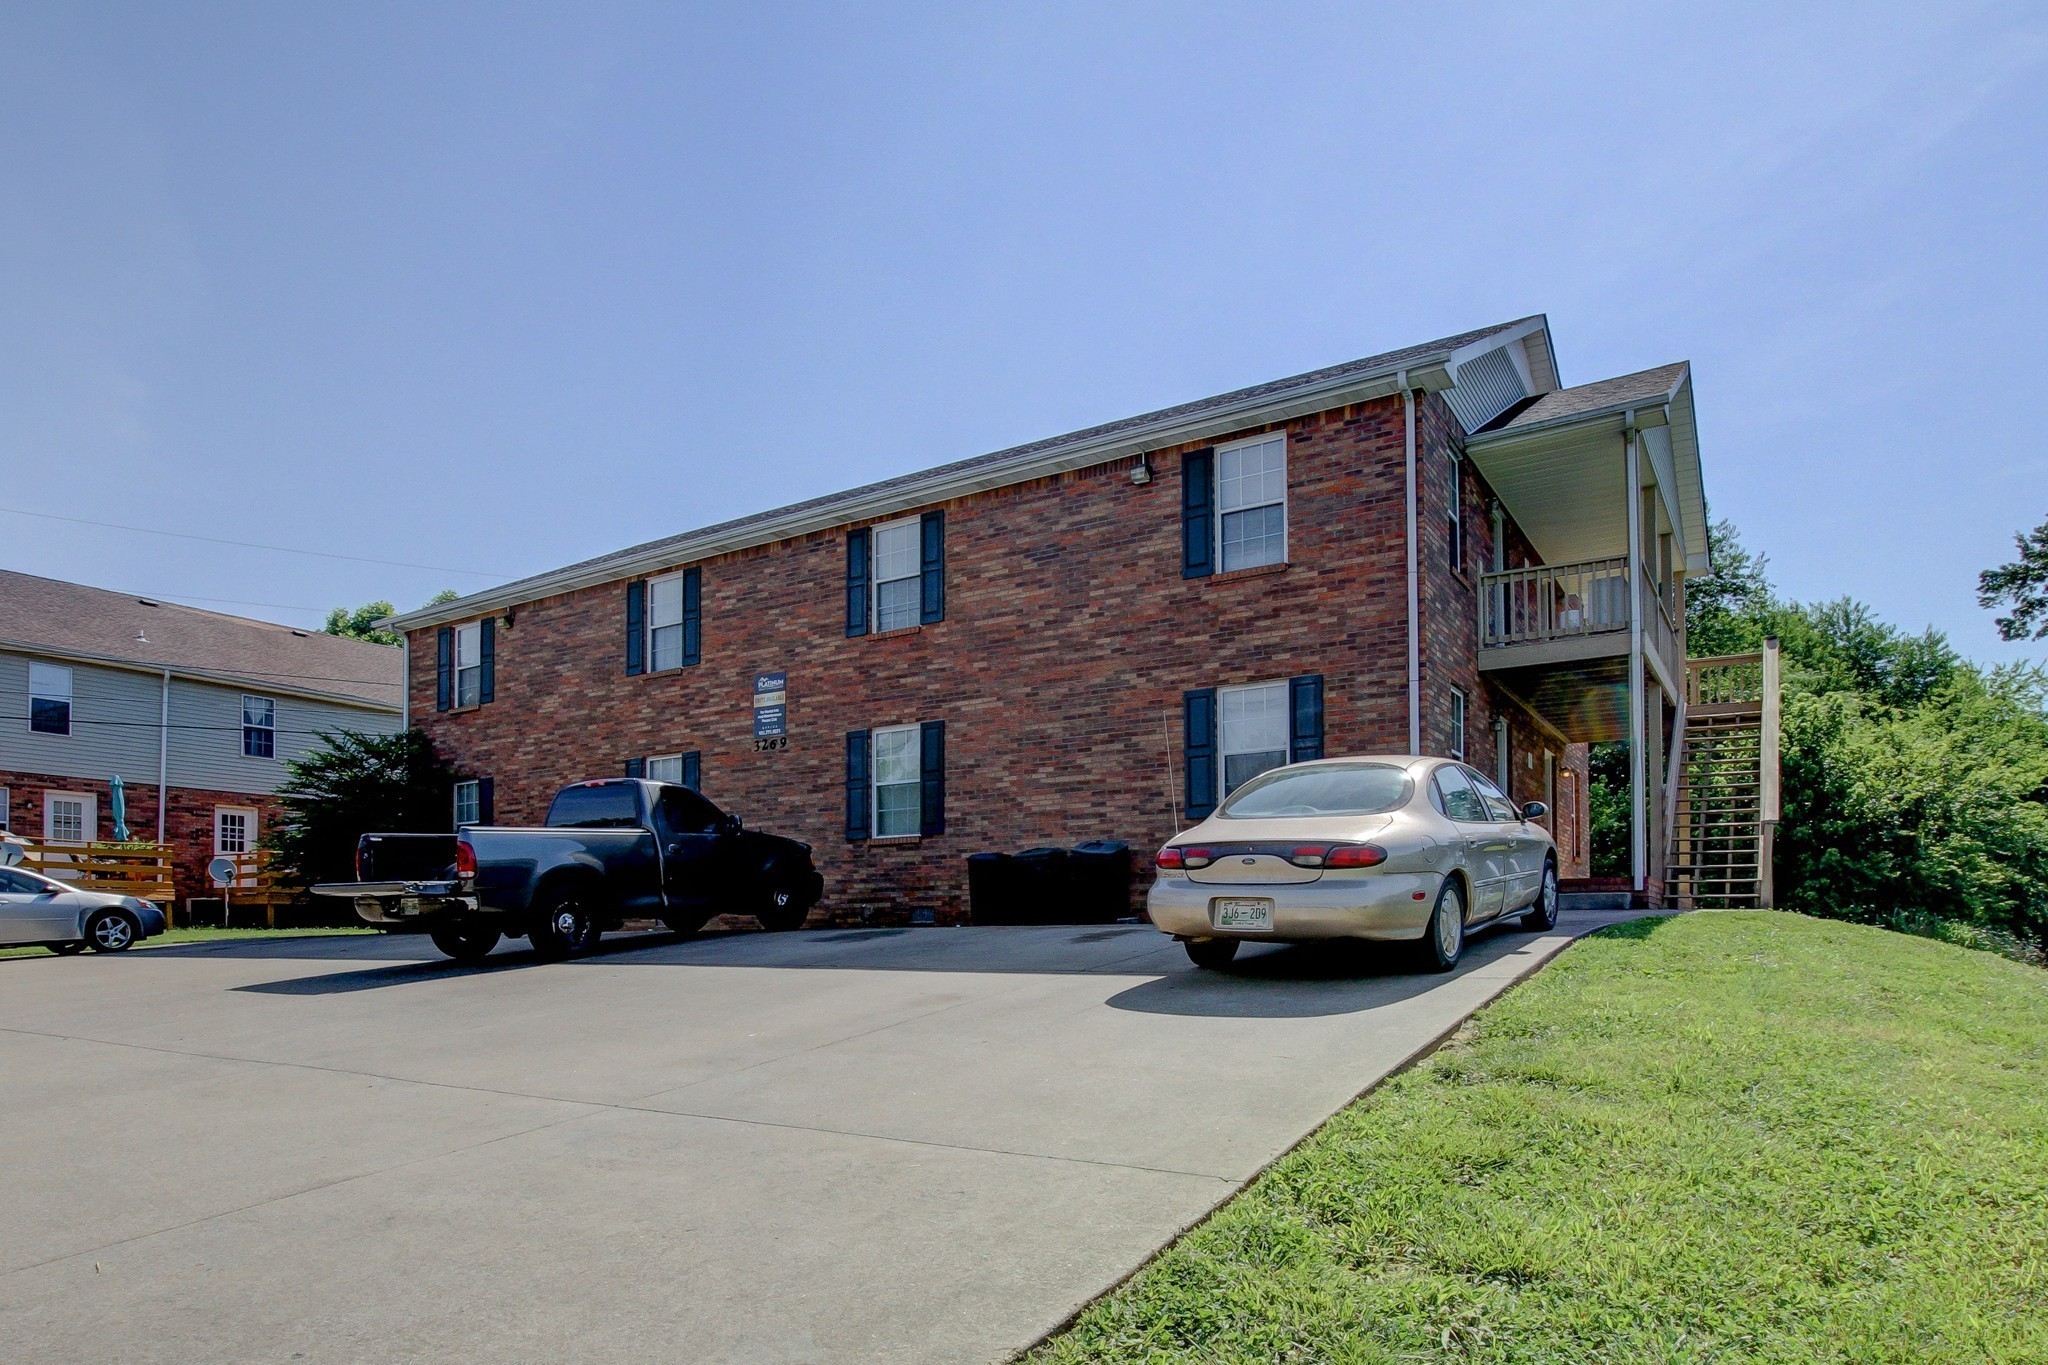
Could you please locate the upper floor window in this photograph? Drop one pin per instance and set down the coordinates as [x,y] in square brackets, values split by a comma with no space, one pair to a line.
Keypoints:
[896,575]
[49,699]
[469,664]
[259,727]
[674,619]
[1456,514]
[1251,502]
[1252,731]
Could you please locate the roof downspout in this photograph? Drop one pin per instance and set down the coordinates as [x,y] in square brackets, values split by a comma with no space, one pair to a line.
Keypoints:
[1414,588]
[404,680]
[163,755]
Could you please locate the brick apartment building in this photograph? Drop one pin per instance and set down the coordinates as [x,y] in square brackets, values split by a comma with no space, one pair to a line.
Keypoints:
[1095,636]
[195,711]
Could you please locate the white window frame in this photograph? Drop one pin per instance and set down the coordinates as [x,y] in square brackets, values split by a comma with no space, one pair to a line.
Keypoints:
[1264,438]
[671,769]
[1224,751]
[654,623]
[915,783]
[914,528]
[50,691]
[271,704]
[474,789]
[1460,715]
[6,810]
[89,816]
[1456,525]
[473,633]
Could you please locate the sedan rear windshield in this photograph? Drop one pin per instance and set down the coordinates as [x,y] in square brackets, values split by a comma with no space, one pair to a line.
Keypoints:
[1339,789]
[612,806]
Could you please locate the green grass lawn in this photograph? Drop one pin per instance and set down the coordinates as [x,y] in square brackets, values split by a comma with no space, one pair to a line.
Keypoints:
[1726,1136]
[175,937]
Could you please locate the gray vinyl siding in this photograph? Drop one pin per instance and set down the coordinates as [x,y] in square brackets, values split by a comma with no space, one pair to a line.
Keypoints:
[206,735]
[113,724]
[115,717]
[1487,386]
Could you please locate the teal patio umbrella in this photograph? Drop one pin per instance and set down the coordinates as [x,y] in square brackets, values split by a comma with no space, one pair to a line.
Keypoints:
[118,808]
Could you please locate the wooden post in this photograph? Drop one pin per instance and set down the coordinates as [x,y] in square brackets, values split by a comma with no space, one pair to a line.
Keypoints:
[1767,761]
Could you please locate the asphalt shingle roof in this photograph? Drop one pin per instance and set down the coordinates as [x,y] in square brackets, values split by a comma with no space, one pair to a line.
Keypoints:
[1642,387]
[71,618]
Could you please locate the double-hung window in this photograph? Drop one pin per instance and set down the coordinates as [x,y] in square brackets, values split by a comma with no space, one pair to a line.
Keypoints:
[49,699]
[1252,731]
[896,773]
[667,646]
[469,804]
[1457,744]
[1251,502]
[259,727]
[1456,513]
[469,664]
[897,574]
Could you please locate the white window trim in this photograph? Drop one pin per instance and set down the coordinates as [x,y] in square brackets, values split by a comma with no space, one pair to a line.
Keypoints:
[475,630]
[652,759]
[1457,515]
[647,645]
[476,789]
[69,698]
[1224,752]
[875,782]
[1461,716]
[6,809]
[1216,498]
[91,821]
[248,697]
[875,579]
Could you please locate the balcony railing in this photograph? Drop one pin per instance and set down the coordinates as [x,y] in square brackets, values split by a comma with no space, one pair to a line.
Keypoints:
[1553,602]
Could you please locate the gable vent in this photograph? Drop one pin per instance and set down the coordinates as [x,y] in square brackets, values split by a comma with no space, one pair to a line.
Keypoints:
[1487,386]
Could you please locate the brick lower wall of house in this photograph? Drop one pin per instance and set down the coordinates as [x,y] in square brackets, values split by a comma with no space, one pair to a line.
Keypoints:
[188,824]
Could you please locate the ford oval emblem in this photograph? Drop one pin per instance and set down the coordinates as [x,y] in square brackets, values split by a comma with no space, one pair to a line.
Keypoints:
[1251,862]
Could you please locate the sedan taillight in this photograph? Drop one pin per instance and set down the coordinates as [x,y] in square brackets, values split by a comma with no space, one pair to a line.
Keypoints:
[1198,857]
[1355,855]
[1170,859]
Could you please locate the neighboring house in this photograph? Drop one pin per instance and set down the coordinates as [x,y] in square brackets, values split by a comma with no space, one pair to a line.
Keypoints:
[1099,635]
[195,711]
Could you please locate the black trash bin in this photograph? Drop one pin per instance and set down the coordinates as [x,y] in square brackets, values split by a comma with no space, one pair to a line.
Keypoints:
[991,888]
[1100,875]
[1043,889]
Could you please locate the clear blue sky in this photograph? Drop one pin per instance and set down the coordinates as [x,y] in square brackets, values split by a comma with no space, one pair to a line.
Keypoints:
[501,286]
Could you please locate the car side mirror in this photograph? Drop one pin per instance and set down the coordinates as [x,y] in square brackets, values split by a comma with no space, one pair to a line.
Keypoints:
[1535,810]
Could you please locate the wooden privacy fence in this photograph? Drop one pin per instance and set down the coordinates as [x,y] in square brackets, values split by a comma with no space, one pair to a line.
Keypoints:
[119,869]
[259,887]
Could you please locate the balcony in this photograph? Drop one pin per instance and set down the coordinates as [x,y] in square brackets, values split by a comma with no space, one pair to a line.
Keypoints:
[1558,636]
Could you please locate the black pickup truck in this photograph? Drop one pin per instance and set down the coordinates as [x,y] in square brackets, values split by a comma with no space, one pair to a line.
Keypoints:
[612,850]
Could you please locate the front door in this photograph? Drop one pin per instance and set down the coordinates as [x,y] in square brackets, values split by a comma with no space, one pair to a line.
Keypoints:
[1485,850]
[1522,846]
[693,848]
[234,836]
[70,817]
[30,912]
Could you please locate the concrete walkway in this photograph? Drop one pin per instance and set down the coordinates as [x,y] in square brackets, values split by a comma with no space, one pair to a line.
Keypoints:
[876,1145]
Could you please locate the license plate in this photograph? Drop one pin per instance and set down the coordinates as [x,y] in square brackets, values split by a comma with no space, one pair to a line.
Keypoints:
[1244,914]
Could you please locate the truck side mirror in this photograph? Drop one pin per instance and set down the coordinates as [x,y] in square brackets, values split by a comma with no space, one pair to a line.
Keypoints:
[730,824]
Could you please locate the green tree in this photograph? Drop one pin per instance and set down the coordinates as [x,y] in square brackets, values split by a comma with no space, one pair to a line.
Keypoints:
[361,622]
[351,785]
[2022,585]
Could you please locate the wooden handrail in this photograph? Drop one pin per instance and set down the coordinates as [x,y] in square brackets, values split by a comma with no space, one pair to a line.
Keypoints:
[1554,601]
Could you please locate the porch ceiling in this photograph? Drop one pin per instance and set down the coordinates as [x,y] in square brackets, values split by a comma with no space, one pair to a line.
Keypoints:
[1560,465]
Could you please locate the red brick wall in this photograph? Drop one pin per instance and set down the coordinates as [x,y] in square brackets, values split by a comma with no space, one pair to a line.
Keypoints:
[188,826]
[1069,639]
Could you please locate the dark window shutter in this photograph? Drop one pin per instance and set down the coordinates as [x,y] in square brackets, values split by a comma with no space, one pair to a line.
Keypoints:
[857,784]
[636,767]
[1198,713]
[857,584]
[1305,710]
[486,801]
[693,617]
[1198,513]
[636,627]
[691,770]
[487,659]
[932,603]
[444,668]
[932,777]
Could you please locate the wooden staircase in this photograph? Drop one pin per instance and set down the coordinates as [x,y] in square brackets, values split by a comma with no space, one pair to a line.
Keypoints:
[1724,802]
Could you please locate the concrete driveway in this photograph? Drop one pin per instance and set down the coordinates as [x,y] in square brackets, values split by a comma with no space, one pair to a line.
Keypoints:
[886,1145]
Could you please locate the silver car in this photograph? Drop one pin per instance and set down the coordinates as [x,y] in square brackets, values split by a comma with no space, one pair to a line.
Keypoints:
[37,909]
[1392,848]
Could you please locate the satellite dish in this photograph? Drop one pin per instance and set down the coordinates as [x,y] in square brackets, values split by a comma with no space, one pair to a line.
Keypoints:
[222,870]
[11,851]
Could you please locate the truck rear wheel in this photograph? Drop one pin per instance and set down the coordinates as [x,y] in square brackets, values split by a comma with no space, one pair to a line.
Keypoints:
[563,925]
[465,942]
